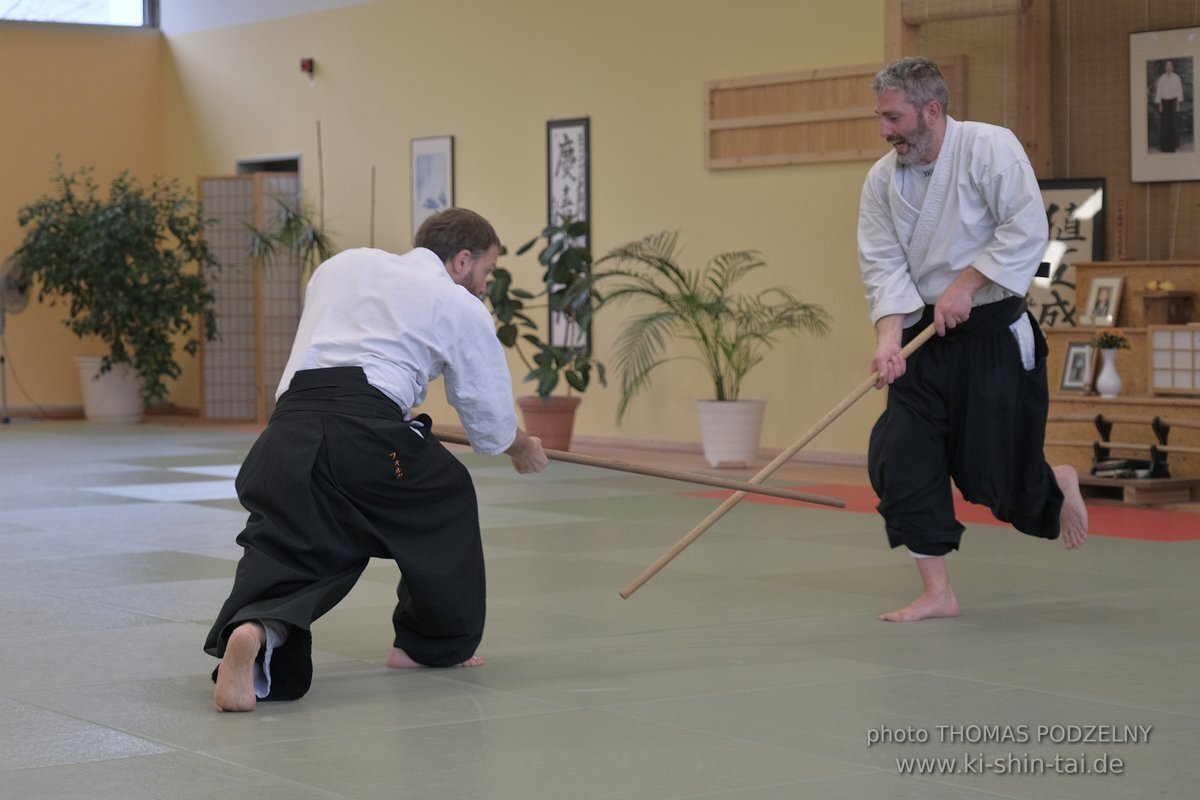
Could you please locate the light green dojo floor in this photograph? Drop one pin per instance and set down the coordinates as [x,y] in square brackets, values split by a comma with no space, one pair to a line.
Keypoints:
[752,668]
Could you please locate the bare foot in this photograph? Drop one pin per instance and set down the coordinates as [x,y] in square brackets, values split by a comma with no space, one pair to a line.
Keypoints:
[1073,519]
[398,659]
[927,606]
[235,676]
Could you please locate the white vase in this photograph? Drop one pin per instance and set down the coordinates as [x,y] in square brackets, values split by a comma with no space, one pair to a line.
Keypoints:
[114,396]
[730,430]
[1108,382]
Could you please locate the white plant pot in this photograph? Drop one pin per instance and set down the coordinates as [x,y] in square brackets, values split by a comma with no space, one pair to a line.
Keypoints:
[114,396]
[730,431]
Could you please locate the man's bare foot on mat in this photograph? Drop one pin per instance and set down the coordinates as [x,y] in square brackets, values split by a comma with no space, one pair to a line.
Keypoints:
[398,659]
[235,675]
[927,606]
[1073,519]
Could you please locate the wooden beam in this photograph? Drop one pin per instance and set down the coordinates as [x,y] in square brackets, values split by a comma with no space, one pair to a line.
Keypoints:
[918,12]
[900,38]
[1034,72]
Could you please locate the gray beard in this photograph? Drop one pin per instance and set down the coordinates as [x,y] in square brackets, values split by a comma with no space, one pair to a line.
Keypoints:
[919,145]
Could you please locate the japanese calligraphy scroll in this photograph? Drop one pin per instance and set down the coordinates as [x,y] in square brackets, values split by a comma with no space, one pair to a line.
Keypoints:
[1075,212]
[568,173]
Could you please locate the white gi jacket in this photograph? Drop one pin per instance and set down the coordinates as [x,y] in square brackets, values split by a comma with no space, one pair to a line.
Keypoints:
[983,209]
[404,320]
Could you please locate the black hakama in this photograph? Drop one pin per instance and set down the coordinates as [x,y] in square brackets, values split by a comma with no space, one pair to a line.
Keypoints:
[338,477]
[966,409]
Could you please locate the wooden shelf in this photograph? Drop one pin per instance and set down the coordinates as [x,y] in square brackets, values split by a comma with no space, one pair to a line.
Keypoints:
[1133,364]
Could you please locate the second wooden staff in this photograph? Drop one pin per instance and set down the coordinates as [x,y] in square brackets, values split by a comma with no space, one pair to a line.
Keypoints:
[767,471]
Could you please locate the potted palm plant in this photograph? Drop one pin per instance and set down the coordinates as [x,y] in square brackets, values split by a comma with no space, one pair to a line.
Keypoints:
[729,330]
[128,265]
[292,232]
[561,361]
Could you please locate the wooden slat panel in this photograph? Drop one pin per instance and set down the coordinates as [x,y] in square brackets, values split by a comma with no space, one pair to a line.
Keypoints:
[919,12]
[802,117]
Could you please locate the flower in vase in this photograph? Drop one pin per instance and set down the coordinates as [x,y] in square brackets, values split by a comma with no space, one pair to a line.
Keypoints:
[1110,339]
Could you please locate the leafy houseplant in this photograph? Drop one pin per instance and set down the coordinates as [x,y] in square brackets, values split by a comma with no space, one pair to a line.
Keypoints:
[568,297]
[294,231]
[728,329]
[567,290]
[129,266]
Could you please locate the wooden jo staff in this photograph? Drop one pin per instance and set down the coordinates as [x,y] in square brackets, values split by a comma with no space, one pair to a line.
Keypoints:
[768,470]
[655,472]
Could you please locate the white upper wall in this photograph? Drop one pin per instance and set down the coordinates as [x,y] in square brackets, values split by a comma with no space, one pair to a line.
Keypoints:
[178,17]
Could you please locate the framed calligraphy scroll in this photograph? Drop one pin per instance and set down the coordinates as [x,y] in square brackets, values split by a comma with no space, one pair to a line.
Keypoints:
[568,198]
[1075,213]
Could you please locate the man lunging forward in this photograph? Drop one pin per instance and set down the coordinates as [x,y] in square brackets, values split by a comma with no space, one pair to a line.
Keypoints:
[344,472]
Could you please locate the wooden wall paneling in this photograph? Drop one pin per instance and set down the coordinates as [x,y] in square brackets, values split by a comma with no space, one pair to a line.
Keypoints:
[1092,126]
[1011,50]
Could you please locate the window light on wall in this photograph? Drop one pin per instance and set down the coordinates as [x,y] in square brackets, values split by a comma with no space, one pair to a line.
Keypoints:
[128,13]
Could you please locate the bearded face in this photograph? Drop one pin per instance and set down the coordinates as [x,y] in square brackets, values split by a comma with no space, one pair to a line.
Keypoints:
[903,126]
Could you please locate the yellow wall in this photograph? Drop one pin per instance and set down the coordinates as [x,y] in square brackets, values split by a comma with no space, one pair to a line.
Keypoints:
[93,95]
[491,74]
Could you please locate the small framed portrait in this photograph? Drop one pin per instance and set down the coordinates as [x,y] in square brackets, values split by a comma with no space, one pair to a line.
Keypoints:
[1077,367]
[1104,297]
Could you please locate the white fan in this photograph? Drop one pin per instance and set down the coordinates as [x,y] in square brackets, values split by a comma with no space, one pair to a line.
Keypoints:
[14,296]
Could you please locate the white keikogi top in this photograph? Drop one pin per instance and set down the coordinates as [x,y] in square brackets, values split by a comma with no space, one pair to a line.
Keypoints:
[982,209]
[405,321]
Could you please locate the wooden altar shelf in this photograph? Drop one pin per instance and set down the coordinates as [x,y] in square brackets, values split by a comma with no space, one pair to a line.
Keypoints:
[1170,422]
[1162,448]
[1141,491]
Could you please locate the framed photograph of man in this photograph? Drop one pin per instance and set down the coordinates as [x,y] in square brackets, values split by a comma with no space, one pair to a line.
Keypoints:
[1077,367]
[1162,108]
[1104,298]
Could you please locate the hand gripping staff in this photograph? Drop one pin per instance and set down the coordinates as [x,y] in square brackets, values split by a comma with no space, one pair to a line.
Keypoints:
[767,471]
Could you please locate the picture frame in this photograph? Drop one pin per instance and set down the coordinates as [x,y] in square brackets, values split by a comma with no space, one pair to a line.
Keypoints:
[432,177]
[1104,299]
[568,197]
[1075,215]
[568,170]
[1163,135]
[1078,366]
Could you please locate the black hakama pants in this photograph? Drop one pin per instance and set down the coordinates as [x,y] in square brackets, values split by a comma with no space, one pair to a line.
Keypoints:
[965,410]
[338,477]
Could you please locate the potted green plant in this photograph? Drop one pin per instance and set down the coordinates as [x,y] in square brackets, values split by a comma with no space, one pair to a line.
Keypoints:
[129,266]
[567,295]
[729,330]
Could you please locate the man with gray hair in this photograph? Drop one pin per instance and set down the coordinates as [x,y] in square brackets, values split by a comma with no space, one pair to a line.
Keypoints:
[951,230]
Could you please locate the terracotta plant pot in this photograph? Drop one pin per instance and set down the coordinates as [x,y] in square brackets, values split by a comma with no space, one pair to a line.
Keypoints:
[551,419]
